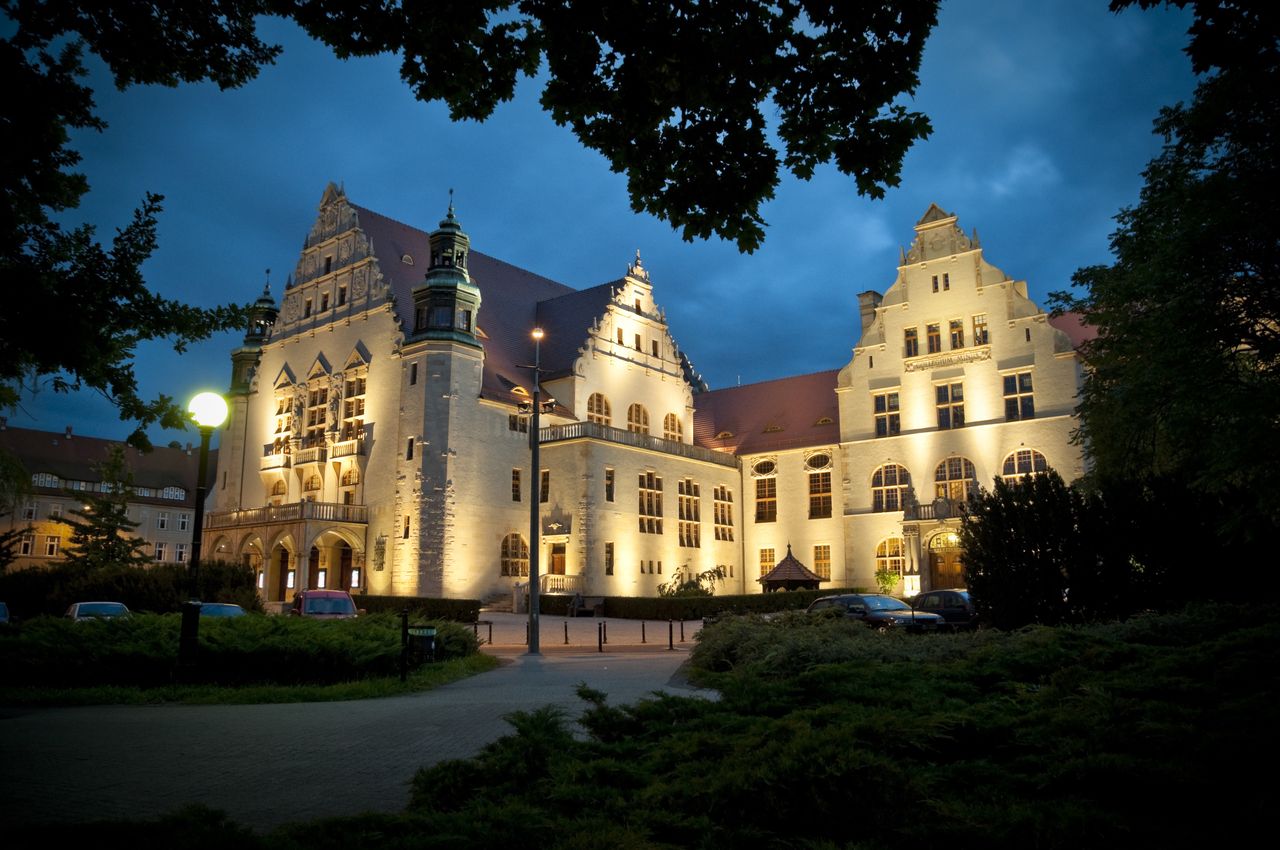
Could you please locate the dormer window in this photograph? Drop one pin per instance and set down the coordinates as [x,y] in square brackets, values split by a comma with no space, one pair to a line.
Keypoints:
[407,260]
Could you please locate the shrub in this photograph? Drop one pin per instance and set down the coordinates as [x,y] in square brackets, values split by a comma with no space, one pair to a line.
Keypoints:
[694,608]
[422,607]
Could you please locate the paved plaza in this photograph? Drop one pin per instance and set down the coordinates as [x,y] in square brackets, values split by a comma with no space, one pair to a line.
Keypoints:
[269,764]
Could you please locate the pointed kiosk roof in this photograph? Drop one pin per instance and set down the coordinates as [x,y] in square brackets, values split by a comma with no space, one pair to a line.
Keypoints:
[790,574]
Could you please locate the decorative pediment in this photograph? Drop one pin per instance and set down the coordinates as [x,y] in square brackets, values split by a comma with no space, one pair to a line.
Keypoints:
[938,235]
[285,378]
[319,367]
[359,357]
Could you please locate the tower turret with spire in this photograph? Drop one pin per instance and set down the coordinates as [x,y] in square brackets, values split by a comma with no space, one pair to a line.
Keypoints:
[446,302]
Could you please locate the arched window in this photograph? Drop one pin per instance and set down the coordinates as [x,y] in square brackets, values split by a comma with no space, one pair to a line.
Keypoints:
[954,479]
[638,419]
[279,488]
[889,486]
[350,477]
[313,483]
[598,410]
[671,428]
[889,557]
[515,555]
[1022,463]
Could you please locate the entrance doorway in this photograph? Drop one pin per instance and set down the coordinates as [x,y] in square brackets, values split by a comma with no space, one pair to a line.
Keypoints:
[556,568]
[945,566]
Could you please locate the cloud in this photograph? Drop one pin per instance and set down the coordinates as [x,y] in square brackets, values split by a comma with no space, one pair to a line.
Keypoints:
[1028,168]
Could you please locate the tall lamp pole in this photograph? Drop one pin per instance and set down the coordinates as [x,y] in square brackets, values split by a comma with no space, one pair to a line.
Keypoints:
[535,476]
[208,410]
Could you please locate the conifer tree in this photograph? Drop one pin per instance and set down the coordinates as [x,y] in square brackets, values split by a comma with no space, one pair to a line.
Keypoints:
[102,533]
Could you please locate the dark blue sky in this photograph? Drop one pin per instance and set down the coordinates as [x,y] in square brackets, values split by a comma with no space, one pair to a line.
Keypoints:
[1042,125]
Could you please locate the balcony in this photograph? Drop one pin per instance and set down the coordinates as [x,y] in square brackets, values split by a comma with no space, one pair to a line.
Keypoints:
[596,431]
[294,512]
[937,509]
[316,454]
[558,584]
[273,460]
[347,448]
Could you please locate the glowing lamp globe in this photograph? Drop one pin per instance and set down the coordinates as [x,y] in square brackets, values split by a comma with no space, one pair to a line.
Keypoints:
[209,410]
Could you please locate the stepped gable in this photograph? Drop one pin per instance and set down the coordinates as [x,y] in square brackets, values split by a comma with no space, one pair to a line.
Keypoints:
[509,309]
[786,413]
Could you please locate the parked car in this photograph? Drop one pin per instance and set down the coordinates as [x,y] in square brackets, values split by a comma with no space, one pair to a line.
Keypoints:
[221,609]
[81,611]
[880,612]
[324,605]
[952,605]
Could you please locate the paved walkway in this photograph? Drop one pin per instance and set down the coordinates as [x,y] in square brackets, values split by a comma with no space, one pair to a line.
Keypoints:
[269,764]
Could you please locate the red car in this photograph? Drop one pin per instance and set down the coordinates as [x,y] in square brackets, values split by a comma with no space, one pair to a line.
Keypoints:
[324,605]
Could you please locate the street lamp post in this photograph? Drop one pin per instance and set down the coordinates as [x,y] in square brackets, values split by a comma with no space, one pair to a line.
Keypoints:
[535,477]
[208,410]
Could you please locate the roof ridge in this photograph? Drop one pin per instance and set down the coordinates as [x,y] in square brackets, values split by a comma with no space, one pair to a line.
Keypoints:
[775,380]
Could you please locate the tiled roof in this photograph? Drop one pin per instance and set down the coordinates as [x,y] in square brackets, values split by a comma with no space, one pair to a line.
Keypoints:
[509,309]
[789,569]
[786,413]
[1073,325]
[74,458]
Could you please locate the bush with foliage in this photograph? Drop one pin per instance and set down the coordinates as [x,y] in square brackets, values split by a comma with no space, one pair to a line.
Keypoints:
[422,607]
[694,607]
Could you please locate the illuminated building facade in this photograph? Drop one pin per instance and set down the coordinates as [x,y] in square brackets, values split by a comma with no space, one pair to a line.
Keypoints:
[379,432]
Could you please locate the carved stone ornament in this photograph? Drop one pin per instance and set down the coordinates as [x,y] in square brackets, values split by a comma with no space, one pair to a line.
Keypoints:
[360,283]
[291,308]
[951,358]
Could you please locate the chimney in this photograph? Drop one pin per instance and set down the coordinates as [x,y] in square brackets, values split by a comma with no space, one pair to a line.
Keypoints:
[68,432]
[867,303]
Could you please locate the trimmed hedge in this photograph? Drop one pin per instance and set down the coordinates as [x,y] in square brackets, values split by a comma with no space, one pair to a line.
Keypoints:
[142,650]
[159,589]
[695,607]
[456,610]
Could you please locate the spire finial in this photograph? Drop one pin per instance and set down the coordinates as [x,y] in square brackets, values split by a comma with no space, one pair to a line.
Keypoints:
[451,202]
[266,287]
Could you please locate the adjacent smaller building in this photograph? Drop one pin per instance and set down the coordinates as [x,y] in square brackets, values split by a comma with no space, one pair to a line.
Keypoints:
[63,465]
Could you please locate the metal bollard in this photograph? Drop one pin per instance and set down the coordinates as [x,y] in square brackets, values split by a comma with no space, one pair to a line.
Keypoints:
[566,632]
[491,633]
[642,640]
[605,625]
[526,634]
[671,634]
[600,636]
[682,631]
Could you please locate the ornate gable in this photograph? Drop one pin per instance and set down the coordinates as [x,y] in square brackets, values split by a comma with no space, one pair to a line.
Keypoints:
[937,235]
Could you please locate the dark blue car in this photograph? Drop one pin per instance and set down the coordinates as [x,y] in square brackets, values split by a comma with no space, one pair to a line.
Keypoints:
[880,612]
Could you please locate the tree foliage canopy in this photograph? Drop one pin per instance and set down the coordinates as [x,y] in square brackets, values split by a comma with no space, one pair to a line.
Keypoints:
[102,533]
[1184,377]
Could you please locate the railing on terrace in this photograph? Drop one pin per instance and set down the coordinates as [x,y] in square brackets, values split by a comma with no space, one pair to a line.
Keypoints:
[313,455]
[594,430]
[937,509]
[552,583]
[294,512]
[274,461]
[347,448]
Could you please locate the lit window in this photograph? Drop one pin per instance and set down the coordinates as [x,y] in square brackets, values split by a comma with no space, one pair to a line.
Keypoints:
[355,577]
[910,342]
[291,579]
[322,578]
[723,506]
[262,579]
[162,520]
[515,555]
[889,557]
[353,403]
[51,545]
[690,508]
[44,479]
[316,414]
[671,428]
[1019,403]
[162,551]
[515,485]
[638,419]
[650,503]
[27,544]
[887,419]
[954,479]
[1022,463]
[822,562]
[312,484]
[933,334]
[29,510]
[957,333]
[980,336]
[889,486]
[766,561]
[406,527]
[518,423]
[950,403]
[766,500]
[598,410]
[820,495]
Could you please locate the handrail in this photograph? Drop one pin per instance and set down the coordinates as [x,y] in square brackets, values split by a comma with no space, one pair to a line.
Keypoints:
[292,512]
[594,430]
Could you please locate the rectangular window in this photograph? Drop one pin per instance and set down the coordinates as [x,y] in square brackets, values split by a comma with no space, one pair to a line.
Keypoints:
[544,487]
[355,578]
[406,527]
[690,508]
[516,422]
[946,282]
[180,553]
[328,264]
[639,344]
[608,559]
[888,420]
[27,544]
[653,347]
[933,334]
[766,561]
[620,340]
[515,485]
[322,578]
[184,522]
[162,520]
[162,551]
[608,485]
[55,511]
[650,503]
[324,302]
[29,510]
[413,374]
[408,449]
[820,495]
[822,562]
[935,283]
[766,499]
[910,343]
[291,578]
[980,329]
[1019,403]
[723,505]
[51,544]
[950,400]
[342,295]
[306,308]
[957,333]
